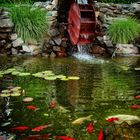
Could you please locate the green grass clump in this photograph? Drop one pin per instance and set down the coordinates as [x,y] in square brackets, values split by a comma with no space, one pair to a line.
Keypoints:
[124,30]
[30,24]
[118,1]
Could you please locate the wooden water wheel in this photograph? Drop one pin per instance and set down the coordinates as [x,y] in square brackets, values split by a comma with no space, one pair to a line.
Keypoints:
[81,23]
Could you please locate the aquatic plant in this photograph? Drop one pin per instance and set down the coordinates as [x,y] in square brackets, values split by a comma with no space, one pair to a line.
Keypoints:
[30,24]
[124,30]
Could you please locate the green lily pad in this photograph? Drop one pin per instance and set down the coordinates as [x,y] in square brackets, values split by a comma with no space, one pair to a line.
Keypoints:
[45,114]
[15,94]
[73,78]
[1,76]
[16,89]
[60,76]
[50,78]
[5,95]
[40,75]
[5,91]
[24,74]
[64,79]
[15,73]
[137,68]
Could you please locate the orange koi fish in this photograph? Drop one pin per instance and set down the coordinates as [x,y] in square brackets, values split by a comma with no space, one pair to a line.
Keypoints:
[20,128]
[90,128]
[64,138]
[39,128]
[31,107]
[112,119]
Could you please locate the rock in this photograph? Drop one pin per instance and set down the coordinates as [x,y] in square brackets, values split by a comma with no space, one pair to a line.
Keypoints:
[2,42]
[5,30]
[25,48]
[4,23]
[55,2]
[129,119]
[28,99]
[13,37]
[53,32]
[108,43]
[37,4]
[17,42]
[98,50]
[4,15]
[136,6]
[52,55]
[54,13]
[57,40]
[14,51]
[3,36]
[126,49]
[56,48]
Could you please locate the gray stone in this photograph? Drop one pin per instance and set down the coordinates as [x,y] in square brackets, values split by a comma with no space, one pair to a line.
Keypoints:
[108,43]
[135,6]
[2,42]
[25,48]
[56,48]
[54,13]
[17,42]
[126,49]
[3,36]
[4,23]
[53,32]
[4,15]
[5,30]
[14,51]
[57,40]
[13,37]
[52,55]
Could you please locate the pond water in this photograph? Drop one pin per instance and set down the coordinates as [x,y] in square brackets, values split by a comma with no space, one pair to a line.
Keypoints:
[106,87]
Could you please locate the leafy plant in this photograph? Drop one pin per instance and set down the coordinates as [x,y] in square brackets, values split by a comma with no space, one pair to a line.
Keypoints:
[124,30]
[30,24]
[118,1]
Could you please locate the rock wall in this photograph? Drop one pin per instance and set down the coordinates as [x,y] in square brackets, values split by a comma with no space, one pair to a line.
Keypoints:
[106,13]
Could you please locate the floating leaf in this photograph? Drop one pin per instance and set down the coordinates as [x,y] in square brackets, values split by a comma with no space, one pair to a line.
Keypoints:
[50,78]
[5,91]
[60,76]
[38,75]
[16,89]
[46,114]
[16,73]
[5,95]
[137,68]
[15,94]
[64,79]
[1,76]
[24,74]
[73,78]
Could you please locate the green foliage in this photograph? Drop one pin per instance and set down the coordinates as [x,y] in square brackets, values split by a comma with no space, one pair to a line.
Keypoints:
[118,1]
[30,24]
[124,30]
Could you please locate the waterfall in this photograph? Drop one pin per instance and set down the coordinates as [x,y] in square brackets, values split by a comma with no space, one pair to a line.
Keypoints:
[82,1]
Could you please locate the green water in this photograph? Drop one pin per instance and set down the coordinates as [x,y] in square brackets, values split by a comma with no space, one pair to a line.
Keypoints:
[106,87]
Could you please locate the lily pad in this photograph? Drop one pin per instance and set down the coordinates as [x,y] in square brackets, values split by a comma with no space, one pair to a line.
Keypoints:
[64,79]
[15,94]
[1,76]
[50,78]
[73,78]
[60,76]
[16,73]
[5,95]
[40,75]
[45,114]
[5,91]
[24,74]
[137,68]
[16,89]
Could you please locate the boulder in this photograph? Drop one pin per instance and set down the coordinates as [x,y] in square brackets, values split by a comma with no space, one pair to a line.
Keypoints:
[126,49]
[17,42]
[53,32]
[57,40]
[14,51]
[13,36]
[98,50]
[3,36]
[5,23]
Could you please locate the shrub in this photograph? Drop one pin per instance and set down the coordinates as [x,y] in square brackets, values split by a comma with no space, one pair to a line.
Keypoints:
[30,24]
[124,30]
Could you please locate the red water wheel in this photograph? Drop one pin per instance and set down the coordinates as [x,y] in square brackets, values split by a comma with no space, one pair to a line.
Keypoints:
[82,23]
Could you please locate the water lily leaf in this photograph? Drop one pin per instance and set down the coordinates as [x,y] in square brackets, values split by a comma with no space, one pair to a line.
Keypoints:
[40,75]
[48,72]
[24,74]
[50,78]
[15,94]
[5,95]
[73,78]
[16,89]
[45,114]
[60,76]
[137,68]
[125,68]
[15,73]
[5,91]
[64,79]
[1,76]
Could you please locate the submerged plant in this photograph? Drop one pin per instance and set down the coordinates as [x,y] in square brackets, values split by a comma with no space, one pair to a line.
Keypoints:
[30,24]
[124,30]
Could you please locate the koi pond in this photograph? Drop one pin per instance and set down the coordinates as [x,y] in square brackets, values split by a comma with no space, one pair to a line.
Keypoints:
[69,98]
